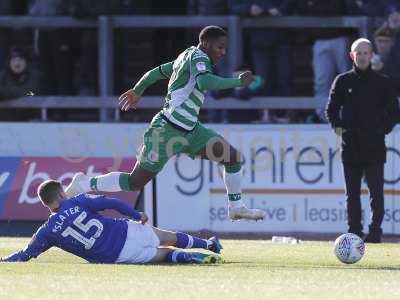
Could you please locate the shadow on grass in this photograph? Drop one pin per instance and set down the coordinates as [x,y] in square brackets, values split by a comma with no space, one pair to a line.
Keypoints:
[166,264]
[241,264]
[356,267]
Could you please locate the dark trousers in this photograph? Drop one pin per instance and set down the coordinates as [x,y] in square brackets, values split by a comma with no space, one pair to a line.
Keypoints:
[273,65]
[353,174]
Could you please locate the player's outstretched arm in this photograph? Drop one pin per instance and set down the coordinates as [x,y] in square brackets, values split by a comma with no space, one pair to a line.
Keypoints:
[130,98]
[211,82]
[37,246]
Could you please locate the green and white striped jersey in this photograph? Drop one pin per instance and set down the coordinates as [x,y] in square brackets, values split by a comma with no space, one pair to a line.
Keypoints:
[184,98]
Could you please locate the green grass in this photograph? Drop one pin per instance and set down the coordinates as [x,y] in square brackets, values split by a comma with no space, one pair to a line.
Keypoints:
[253,270]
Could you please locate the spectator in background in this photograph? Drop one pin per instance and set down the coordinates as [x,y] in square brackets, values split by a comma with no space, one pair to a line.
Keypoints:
[19,79]
[13,36]
[54,48]
[127,50]
[212,8]
[391,6]
[393,21]
[386,60]
[269,47]
[90,9]
[207,7]
[330,55]
[88,66]
[370,8]
[383,41]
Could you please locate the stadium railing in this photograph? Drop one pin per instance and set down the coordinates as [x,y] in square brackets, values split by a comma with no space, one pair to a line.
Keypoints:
[154,102]
[234,24]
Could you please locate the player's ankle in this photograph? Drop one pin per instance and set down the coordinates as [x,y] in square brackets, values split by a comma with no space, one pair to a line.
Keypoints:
[235,203]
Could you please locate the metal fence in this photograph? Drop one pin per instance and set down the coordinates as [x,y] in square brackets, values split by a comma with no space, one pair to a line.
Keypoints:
[111,103]
[235,25]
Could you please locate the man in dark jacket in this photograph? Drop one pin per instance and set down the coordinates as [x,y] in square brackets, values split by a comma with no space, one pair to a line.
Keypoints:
[363,108]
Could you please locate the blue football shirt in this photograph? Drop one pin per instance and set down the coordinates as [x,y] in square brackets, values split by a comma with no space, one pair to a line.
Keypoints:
[78,228]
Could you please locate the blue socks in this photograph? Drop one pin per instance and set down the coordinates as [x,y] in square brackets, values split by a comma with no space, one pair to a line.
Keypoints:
[186,241]
[177,256]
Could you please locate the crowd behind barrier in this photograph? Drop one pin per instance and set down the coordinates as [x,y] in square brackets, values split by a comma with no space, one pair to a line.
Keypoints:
[100,48]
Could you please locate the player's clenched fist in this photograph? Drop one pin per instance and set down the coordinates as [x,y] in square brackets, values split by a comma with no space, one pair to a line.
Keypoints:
[128,100]
[246,78]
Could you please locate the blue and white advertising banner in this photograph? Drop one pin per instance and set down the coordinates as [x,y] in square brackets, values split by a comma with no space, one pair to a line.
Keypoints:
[31,153]
[292,172]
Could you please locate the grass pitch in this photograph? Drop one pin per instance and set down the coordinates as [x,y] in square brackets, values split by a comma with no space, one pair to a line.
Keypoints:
[253,270]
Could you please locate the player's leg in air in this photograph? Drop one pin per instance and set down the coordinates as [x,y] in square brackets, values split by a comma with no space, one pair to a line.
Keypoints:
[110,182]
[219,150]
[154,154]
[200,142]
[151,159]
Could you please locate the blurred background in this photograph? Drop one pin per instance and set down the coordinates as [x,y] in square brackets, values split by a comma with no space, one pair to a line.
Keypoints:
[101,48]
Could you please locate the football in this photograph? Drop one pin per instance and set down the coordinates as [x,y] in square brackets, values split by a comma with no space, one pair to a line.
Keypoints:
[349,248]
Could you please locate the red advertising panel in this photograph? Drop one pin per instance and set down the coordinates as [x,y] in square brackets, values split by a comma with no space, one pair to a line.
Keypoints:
[20,177]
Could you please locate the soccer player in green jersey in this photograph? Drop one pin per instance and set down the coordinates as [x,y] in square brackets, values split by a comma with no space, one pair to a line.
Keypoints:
[176,128]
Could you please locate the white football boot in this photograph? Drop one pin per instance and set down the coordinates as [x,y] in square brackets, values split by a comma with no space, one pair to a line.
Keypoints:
[242,212]
[75,187]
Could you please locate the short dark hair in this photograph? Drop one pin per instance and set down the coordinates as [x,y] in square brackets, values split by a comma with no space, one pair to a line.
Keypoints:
[385,31]
[211,32]
[48,191]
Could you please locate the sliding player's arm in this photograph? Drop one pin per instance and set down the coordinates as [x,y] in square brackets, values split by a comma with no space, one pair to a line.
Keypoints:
[130,98]
[37,246]
[99,203]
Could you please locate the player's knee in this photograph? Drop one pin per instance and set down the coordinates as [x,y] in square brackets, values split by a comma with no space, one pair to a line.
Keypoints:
[234,164]
[166,238]
[235,157]
[218,149]
[133,183]
[139,177]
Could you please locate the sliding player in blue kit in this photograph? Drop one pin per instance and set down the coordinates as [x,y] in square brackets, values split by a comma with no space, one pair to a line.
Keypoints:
[76,227]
